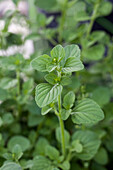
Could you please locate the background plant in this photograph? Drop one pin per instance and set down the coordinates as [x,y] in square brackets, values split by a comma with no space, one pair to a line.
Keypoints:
[69,22]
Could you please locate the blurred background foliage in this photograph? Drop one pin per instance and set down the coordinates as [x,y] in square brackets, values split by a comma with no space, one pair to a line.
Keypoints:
[31,28]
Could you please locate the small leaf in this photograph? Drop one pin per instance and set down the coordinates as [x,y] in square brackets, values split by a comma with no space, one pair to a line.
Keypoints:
[52,152]
[90,143]
[72,64]
[45,110]
[40,63]
[87,112]
[65,81]
[68,100]
[46,93]
[11,166]
[65,114]
[58,53]
[51,78]
[77,146]
[20,140]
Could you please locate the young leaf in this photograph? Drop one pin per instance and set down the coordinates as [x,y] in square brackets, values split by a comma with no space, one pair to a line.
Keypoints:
[72,64]
[40,63]
[51,78]
[45,110]
[68,100]
[65,81]
[46,93]
[20,140]
[65,114]
[52,152]
[58,53]
[90,143]
[87,112]
[77,146]
[11,165]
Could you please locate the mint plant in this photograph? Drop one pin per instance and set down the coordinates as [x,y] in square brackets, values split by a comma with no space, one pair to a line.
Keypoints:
[48,96]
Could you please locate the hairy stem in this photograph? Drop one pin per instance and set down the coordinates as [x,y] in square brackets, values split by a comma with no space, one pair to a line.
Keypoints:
[61,126]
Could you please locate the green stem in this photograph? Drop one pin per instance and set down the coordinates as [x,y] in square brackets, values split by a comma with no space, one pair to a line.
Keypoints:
[62,21]
[18,90]
[18,82]
[93,18]
[61,126]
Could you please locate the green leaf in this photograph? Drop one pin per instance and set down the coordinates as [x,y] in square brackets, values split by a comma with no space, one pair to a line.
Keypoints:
[101,99]
[51,78]
[72,64]
[77,146]
[90,143]
[52,152]
[40,147]
[7,83]
[34,120]
[105,8]
[20,140]
[3,94]
[40,63]
[66,134]
[17,152]
[65,114]
[11,166]
[13,62]
[65,81]
[65,165]
[101,157]
[87,112]
[68,100]
[7,118]
[42,163]
[94,53]
[46,93]
[45,110]
[58,53]
[72,51]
